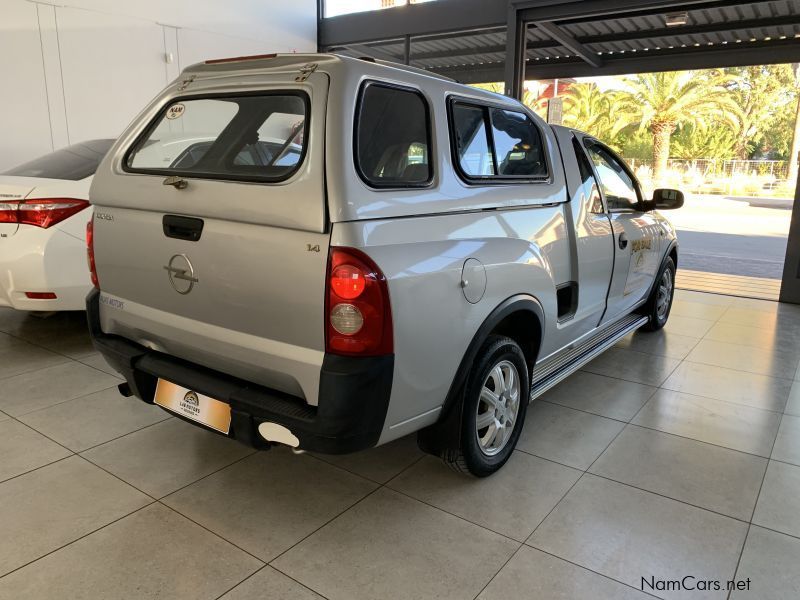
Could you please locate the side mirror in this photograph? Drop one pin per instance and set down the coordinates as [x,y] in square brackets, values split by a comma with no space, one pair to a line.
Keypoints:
[665,199]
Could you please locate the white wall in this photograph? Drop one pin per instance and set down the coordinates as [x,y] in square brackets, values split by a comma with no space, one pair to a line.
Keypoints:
[84,68]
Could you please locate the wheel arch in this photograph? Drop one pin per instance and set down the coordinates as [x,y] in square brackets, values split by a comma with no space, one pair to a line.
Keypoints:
[520,317]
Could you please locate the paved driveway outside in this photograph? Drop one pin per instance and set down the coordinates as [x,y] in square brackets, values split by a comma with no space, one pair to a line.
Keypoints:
[718,234]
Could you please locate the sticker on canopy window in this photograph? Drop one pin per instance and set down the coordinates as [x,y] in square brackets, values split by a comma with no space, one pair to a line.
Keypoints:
[175,111]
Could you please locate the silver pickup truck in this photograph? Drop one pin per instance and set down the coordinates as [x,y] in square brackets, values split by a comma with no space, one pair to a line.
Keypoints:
[331,253]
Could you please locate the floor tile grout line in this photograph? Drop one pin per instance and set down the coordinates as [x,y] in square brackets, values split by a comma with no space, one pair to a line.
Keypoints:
[29,471]
[691,439]
[551,460]
[581,410]
[268,566]
[167,417]
[503,566]
[641,489]
[64,401]
[326,523]
[39,345]
[590,570]
[753,513]
[699,362]
[44,435]
[356,503]
[211,531]
[729,402]
[207,475]
[35,369]
[447,512]
[119,437]
[70,543]
[117,477]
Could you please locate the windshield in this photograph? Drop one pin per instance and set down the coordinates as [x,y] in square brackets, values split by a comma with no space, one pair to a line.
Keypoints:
[258,137]
[75,162]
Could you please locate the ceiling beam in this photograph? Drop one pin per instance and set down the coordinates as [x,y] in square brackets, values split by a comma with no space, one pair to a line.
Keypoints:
[676,59]
[554,32]
[592,10]
[415,19]
[683,30]
[729,55]
[359,50]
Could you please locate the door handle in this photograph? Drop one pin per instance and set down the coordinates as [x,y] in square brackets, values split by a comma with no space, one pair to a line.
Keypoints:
[623,241]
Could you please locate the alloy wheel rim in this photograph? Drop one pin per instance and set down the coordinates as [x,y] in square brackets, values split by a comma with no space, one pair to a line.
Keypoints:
[498,408]
[664,294]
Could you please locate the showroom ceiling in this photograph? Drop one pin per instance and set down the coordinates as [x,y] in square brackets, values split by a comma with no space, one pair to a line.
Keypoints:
[577,38]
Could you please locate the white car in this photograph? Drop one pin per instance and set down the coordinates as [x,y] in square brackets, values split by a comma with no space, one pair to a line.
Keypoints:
[44,209]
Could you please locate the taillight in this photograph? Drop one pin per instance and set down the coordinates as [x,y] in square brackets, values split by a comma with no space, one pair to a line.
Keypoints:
[357,311]
[40,212]
[90,253]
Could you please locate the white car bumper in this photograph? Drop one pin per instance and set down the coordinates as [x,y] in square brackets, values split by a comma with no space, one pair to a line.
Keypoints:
[43,260]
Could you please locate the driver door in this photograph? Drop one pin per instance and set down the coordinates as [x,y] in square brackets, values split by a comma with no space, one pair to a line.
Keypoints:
[637,248]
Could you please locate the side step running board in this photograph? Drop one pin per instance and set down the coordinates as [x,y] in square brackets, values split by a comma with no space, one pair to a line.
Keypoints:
[554,371]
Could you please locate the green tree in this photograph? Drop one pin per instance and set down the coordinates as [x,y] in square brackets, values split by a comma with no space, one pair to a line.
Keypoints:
[598,113]
[765,94]
[704,141]
[665,100]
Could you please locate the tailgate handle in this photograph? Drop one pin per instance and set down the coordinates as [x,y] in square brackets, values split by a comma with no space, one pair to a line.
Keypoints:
[183,228]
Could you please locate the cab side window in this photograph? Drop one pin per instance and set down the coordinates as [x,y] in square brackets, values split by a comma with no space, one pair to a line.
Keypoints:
[495,144]
[619,188]
[392,137]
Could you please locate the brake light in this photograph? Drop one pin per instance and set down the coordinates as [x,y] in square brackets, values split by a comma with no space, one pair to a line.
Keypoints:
[217,61]
[90,253]
[8,212]
[357,308]
[40,212]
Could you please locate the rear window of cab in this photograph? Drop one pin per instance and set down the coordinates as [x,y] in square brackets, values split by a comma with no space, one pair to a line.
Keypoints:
[253,137]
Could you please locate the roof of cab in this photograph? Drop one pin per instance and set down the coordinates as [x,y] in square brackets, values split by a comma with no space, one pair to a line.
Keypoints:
[287,63]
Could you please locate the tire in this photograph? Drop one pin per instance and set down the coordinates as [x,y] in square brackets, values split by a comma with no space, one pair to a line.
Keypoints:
[499,363]
[660,302]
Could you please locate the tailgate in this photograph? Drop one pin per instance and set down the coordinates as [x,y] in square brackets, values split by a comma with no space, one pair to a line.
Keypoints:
[225,267]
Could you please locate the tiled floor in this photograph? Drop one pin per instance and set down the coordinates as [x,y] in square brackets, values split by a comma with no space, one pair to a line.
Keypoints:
[673,454]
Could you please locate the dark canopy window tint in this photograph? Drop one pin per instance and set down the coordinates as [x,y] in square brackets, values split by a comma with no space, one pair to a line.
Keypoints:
[73,162]
[392,137]
[494,143]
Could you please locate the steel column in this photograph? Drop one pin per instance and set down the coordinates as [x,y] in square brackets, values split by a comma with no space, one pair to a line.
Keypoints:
[790,285]
[515,53]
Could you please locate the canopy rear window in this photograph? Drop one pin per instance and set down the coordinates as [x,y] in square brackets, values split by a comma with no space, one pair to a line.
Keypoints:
[247,137]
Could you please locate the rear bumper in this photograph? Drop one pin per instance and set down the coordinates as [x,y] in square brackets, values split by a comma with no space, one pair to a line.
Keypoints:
[353,397]
[43,260]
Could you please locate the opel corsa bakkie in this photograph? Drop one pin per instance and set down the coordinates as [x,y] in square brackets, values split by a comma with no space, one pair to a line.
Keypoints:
[330,253]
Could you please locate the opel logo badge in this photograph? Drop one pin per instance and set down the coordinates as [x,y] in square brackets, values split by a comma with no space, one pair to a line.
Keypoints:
[181,274]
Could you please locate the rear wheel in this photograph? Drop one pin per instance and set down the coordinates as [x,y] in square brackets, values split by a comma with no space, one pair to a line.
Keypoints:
[660,302]
[495,402]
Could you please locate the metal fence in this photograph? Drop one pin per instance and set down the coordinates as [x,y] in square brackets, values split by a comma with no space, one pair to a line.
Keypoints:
[717,176]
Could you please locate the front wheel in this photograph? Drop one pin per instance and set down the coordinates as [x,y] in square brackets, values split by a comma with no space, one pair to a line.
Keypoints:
[495,403]
[660,302]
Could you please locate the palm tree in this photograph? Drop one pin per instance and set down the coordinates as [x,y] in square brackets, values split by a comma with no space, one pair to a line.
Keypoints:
[665,100]
[600,114]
